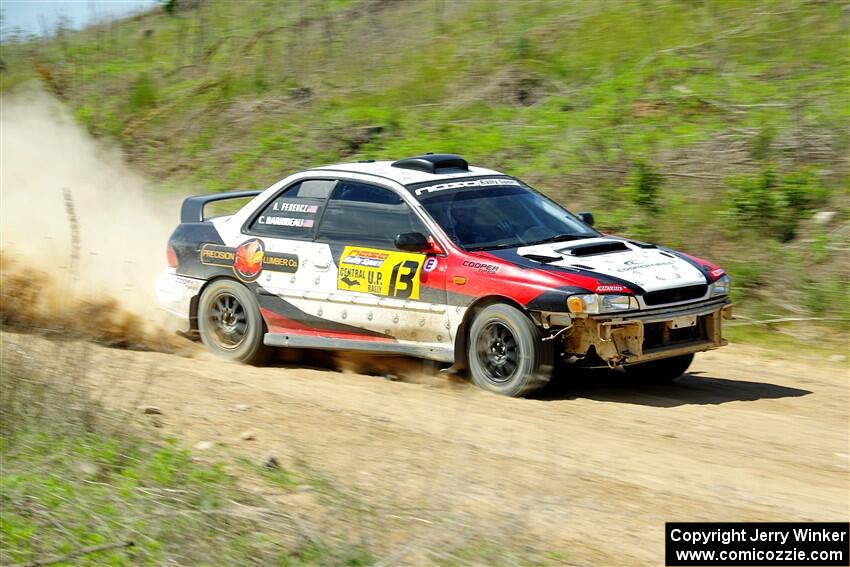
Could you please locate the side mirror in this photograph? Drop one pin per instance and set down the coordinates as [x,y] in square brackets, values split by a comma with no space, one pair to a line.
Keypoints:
[586,218]
[412,242]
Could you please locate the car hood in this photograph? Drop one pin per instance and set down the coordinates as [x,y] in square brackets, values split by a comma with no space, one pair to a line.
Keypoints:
[646,266]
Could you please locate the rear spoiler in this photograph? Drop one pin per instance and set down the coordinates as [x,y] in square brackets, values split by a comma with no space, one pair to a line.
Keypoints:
[192,209]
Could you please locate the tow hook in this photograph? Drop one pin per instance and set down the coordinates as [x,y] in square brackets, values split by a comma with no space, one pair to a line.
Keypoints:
[552,337]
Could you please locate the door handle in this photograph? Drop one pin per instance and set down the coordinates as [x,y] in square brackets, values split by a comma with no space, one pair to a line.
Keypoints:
[322,267]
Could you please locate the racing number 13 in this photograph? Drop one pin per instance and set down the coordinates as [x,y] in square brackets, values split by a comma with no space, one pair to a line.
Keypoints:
[403,273]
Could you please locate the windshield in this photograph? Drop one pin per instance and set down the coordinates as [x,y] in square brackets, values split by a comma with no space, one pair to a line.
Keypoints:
[503,216]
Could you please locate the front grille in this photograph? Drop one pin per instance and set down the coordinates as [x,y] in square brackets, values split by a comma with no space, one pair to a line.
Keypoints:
[675,295]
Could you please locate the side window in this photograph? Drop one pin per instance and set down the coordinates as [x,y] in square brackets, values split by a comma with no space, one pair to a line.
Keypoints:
[366,215]
[295,212]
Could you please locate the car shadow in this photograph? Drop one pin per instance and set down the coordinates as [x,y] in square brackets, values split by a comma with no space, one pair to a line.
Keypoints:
[694,388]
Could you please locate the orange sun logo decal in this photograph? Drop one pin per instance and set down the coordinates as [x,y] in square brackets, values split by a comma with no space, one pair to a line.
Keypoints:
[248,262]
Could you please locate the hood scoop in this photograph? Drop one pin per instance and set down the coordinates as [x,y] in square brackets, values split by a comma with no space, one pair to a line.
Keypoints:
[640,244]
[542,258]
[594,248]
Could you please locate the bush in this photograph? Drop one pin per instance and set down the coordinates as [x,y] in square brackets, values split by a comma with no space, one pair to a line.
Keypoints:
[645,187]
[773,203]
[170,7]
[644,192]
[142,93]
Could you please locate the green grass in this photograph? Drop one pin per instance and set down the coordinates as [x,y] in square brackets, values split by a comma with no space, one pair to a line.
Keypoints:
[75,476]
[61,493]
[793,341]
[571,96]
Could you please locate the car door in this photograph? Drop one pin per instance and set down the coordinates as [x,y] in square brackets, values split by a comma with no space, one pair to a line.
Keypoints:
[296,279]
[379,287]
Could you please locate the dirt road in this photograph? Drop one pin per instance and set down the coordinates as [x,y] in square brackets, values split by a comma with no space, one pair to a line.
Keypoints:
[592,469]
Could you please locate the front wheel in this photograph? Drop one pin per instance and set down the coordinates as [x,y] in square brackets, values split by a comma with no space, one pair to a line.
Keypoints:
[506,352]
[230,323]
[660,371]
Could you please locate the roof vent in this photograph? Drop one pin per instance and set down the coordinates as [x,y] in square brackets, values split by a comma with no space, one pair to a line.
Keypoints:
[434,163]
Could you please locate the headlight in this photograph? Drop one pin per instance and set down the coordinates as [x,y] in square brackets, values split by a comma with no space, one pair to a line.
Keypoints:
[593,304]
[721,287]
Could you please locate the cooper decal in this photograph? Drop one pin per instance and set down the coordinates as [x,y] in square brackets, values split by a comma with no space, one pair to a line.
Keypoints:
[248,259]
[483,268]
[636,265]
[380,272]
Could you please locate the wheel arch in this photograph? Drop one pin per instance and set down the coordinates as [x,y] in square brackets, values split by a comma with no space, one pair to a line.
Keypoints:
[196,299]
[462,335]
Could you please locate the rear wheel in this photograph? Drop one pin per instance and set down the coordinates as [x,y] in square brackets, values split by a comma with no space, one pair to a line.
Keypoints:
[506,352]
[660,371]
[230,323]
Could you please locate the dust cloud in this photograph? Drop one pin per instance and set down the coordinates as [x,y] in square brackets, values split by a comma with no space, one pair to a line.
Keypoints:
[48,162]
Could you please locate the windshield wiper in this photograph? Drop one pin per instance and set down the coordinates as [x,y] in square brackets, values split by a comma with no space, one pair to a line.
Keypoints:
[493,247]
[558,238]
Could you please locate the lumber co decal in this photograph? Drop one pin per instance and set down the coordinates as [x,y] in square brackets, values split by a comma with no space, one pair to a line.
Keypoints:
[380,272]
[248,259]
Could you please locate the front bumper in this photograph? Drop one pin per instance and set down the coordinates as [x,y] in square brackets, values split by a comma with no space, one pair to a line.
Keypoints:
[650,334]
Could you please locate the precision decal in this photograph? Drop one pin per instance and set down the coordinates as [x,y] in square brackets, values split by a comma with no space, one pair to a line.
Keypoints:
[380,272]
[248,259]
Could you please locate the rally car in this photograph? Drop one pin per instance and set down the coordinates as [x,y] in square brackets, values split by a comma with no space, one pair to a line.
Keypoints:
[431,257]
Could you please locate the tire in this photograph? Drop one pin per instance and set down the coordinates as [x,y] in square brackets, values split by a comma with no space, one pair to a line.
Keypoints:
[230,323]
[660,371]
[506,353]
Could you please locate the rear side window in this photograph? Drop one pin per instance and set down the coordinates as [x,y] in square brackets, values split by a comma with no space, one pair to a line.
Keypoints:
[295,212]
[366,215]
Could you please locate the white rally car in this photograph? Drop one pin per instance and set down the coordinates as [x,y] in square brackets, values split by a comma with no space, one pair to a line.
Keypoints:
[431,257]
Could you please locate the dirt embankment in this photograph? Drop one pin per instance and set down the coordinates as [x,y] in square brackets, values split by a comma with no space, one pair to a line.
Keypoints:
[592,469]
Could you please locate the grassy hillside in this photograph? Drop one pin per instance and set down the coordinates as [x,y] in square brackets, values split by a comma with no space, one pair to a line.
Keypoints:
[717,126]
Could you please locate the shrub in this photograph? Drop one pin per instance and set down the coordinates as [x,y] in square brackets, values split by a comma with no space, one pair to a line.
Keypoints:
[170,7]
[644,192]
[142,93]
[773,203]
[645,186]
